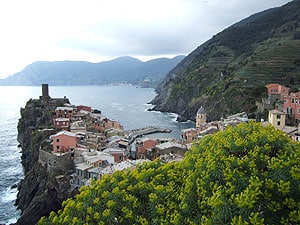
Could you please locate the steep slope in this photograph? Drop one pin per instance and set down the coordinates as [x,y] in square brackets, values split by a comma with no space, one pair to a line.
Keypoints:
[120,70]
[44,187]
[228,73]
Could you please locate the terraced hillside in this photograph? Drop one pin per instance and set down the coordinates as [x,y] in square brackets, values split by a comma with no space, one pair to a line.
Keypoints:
[228,72]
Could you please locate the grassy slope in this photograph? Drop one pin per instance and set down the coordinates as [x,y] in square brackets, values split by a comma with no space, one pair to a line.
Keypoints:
[261,49]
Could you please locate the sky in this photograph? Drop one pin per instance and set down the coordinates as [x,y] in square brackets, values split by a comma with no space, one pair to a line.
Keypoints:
[101,30]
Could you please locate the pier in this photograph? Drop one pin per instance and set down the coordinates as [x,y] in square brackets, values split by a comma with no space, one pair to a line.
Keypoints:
[133,134]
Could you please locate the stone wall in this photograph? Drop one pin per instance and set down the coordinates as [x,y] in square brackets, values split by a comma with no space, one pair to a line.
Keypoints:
[57,164]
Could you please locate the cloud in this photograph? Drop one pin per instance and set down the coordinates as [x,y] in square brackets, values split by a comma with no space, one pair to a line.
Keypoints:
[94,30]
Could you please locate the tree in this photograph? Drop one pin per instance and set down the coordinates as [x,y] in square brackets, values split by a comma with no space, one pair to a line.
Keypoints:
[247,174]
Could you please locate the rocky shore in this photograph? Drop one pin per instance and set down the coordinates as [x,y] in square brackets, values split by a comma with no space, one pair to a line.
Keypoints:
[43,189]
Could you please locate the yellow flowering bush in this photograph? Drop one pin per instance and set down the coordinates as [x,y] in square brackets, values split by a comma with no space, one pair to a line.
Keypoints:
[247,174]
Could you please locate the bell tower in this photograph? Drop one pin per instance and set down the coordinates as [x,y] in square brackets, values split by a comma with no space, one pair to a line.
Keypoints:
[201,117]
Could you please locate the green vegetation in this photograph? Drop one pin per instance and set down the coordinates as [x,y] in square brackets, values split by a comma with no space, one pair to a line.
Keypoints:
[248,174]
[261,49]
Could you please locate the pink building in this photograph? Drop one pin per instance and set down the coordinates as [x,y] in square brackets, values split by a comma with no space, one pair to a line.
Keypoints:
[291,105]
[142,145]
[64,141]
[278,89]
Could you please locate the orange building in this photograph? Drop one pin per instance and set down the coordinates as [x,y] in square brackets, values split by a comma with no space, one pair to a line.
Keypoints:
[64,141]
[108,124]
[278,89]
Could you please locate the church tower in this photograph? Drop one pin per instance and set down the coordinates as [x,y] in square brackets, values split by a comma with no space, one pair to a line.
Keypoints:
[201,117]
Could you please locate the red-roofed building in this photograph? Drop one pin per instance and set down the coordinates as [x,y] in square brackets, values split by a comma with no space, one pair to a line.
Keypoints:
[142,145]
[85,108]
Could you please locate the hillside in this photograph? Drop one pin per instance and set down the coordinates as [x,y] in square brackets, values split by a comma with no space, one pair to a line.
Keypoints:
[120,70]
[228,73]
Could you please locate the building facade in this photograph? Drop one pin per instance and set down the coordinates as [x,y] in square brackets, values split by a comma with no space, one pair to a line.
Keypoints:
[64,141]
[277,119]
[200,117]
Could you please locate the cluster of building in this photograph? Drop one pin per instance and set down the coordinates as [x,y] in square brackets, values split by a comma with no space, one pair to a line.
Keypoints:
[204,128]
[98,145]
[283,109]
[282,105]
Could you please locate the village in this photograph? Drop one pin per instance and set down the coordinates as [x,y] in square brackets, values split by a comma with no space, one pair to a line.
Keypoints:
[97,145]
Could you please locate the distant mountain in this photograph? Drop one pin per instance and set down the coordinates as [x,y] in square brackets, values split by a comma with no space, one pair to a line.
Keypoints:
[120,70]
[228,73]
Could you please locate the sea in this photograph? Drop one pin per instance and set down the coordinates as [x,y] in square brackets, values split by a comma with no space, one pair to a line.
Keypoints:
[124,103]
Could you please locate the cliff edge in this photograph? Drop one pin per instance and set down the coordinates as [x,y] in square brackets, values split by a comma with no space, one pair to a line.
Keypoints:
[46,183]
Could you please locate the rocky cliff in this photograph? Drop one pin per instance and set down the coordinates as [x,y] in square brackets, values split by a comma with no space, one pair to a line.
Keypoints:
[44,187]
[228,73]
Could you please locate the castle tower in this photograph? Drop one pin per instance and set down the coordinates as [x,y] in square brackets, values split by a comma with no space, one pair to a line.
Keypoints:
[45,90]
[201,117]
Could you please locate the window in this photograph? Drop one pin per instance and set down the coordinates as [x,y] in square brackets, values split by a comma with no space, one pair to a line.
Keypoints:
[293,100]
[57,147]
[57,140]
[298,110]
[278,123]
[278,116]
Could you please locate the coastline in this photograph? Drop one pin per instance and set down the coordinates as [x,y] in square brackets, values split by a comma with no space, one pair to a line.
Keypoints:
[32,167]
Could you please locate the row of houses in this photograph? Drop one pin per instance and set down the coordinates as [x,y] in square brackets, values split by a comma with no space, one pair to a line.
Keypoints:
[152,148]
[283,99]
[203,127]
[98,145]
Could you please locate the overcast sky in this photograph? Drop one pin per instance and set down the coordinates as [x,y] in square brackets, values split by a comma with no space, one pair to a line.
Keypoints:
[98,30]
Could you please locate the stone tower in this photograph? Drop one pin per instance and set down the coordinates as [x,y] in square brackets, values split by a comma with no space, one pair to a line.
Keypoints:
[45,90]
[201,117]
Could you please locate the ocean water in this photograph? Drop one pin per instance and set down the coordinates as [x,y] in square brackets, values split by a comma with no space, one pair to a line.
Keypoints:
[124,103]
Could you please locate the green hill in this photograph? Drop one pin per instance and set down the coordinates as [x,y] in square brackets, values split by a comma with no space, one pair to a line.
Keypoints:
[245,175]
[228,73]
[120,70]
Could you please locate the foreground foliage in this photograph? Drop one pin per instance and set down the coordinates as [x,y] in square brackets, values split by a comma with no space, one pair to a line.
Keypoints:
[245,175]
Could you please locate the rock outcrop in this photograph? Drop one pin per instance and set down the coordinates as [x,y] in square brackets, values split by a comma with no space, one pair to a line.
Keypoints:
[44,186]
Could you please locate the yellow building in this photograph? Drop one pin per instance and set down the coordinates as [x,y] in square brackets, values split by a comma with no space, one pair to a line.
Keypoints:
[277,119]
[201,117]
